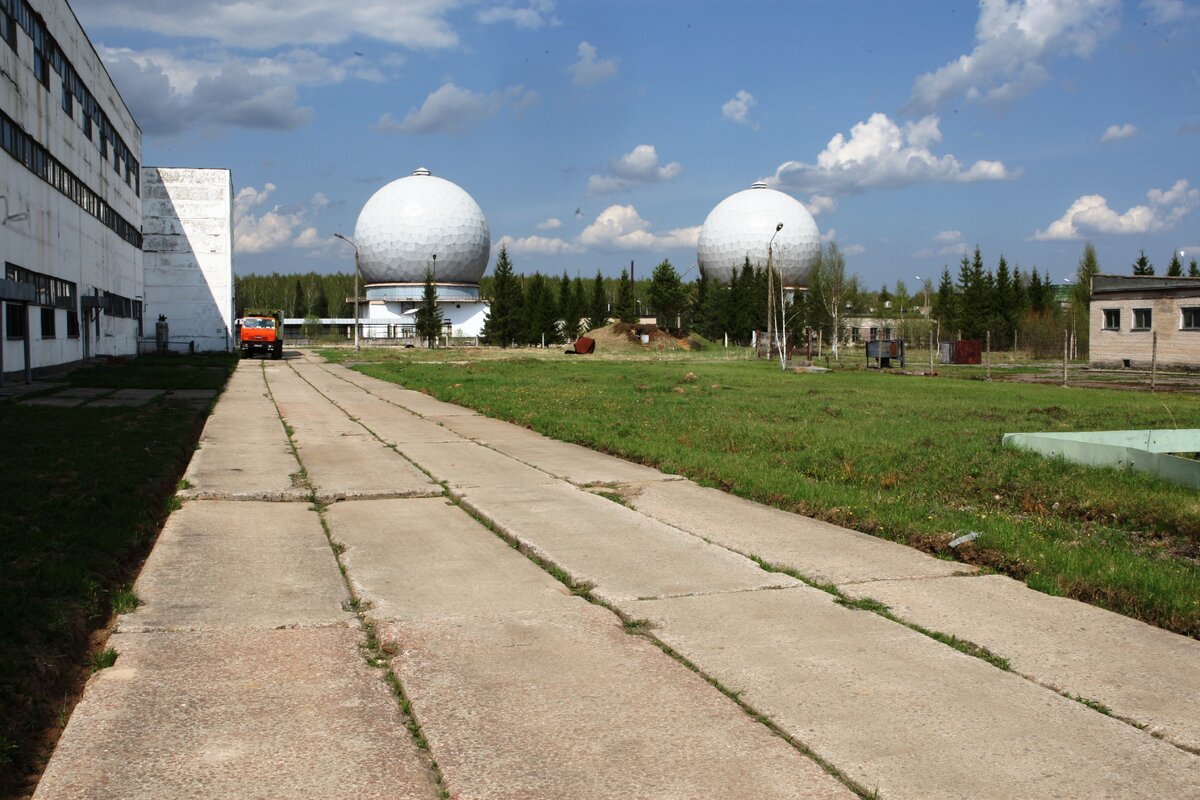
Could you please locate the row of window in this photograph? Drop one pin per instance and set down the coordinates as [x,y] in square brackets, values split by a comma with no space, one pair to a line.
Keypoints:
[48,55]
[15,319]
[21,146]
[50,291]
[1189,319]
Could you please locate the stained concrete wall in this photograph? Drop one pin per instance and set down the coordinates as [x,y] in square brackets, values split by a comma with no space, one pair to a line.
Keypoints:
[187,225]
[57,237]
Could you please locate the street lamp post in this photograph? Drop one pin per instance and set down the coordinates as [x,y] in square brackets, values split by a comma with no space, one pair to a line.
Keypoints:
[771,291]
[351,242]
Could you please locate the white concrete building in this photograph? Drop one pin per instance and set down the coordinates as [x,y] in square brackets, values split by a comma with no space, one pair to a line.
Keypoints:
[187,255]
[70,207]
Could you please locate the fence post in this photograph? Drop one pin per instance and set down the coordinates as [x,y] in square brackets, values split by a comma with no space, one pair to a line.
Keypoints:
[988,368]
[1066,346]
[931,352]
[1154,361]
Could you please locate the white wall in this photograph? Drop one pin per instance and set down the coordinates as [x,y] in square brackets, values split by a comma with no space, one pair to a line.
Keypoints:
[466,319]
[187,220]
[58,237]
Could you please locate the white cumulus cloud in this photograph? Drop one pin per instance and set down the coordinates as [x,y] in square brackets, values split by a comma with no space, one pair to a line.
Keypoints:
[453,109]
[1090,215]
[1115,133]
[820,203]
[1164,12]
[589,70]
[638,166]
[264,24]
[278,227]
[531,16]
[854,250]
[880,153]
[551,224]
[1013,41]
[948,237]
[538,245]
[620,227]
[738,107]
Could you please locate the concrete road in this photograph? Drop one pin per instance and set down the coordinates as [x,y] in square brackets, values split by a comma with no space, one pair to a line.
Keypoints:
[341,535]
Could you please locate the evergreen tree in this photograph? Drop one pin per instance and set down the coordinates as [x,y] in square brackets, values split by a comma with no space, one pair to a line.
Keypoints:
[1005,314]
[626,306]
[884,297]
[667,296]
[1037,292]
[1193,269]
[1143,266]
[698,310]
[572,305]
[540,311]
[598,310]
[945,303]
[429,316]
[1175,268]
[503,324]
[1081,295]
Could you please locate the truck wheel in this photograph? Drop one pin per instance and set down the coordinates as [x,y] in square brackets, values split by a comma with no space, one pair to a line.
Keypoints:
[277,351]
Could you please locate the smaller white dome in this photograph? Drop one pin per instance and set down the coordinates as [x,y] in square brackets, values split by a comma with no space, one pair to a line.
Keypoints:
[410,221]
[741,227]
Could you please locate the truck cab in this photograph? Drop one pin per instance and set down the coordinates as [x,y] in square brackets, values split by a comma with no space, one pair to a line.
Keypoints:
[260,332]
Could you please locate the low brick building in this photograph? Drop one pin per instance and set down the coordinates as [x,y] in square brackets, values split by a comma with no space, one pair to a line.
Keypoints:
[1128,310]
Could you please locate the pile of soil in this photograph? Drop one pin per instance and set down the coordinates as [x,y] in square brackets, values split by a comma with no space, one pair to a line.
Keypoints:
[623,337]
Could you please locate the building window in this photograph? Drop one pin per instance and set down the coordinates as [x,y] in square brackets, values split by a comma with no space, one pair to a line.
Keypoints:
[68,100]
[1190,319]
[72,324]
[1141,319]
[47,323]
[1112,319]
[8,29]
[14,320]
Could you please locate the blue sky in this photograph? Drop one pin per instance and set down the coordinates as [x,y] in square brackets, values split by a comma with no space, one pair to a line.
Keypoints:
[596,133]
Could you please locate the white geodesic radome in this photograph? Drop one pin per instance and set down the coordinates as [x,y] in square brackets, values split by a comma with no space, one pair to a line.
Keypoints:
[741,226]
[409,221]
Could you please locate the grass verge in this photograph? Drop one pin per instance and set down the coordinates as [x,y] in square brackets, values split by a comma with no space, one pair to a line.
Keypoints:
[84,493]
[910,459]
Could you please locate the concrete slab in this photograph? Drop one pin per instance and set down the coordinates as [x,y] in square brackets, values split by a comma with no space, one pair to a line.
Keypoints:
[464,464]
[569,705]
[53,401]
[1135,669]
[87,392]
[359,468]
[240,565]
[223,471]
[907,715]
[624,554]
[418,559]
[237,714]
[819,551]
[119,402]
[571,462]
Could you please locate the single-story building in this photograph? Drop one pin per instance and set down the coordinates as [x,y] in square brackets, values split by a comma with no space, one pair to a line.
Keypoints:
[1126,312]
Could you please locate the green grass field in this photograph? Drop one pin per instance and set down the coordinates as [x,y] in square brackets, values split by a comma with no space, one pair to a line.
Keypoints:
[84,493]
[912,459]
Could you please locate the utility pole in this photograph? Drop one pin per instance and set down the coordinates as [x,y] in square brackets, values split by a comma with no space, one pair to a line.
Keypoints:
[351,242]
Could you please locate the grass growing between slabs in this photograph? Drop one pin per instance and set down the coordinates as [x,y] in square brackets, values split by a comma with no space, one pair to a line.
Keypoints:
[916,460]
[84,492]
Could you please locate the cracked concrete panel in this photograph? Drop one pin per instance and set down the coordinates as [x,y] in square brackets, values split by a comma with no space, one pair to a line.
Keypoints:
[907,715]
[223,471]
[624,554]
[819,551]
[361,468]
[237,714]
[571,462]
[416,402]
[569,705]
[1135,669]
[464,464]
[427,558]
[240,565]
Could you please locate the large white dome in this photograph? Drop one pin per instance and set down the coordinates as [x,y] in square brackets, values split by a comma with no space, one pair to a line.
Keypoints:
[741,226]
[411,220]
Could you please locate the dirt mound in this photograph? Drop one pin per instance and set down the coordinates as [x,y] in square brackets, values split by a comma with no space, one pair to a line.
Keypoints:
[623,337]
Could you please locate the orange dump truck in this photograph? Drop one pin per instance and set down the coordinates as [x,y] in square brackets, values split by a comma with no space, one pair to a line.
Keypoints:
[261,331]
